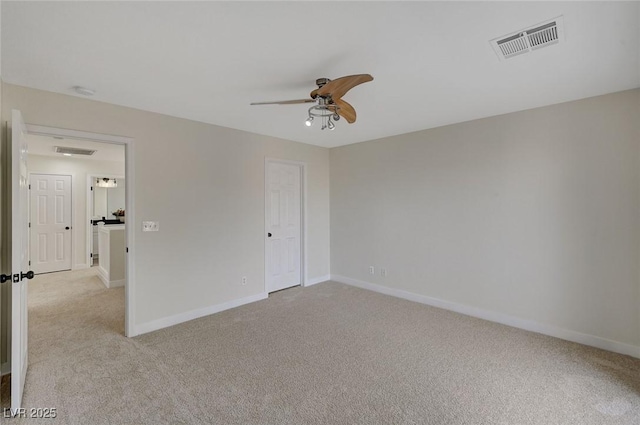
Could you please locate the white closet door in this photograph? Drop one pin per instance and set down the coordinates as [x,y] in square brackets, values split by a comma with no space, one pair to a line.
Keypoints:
[283,220]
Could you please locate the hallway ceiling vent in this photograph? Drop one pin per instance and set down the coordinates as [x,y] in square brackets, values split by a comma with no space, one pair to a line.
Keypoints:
[527,40]
[74,151]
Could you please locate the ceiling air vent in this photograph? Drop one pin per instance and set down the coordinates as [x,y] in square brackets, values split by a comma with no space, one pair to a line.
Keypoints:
[74,151]
[526,40]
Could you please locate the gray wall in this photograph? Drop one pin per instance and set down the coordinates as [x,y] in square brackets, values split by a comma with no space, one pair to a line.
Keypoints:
[205,184]
[534,214]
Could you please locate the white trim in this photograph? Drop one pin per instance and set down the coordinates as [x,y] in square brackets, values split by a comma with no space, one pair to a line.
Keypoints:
[165,322]
[304,263]
[109,285]
[104,277]
[129,287]
[317,280]
[117,283]
[493,316]
[303,217]
[42,130]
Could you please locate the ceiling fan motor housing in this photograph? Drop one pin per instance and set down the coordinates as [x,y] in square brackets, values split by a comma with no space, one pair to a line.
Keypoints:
[322,81]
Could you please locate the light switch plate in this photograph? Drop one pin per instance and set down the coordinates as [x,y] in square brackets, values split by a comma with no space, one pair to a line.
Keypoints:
[150,226]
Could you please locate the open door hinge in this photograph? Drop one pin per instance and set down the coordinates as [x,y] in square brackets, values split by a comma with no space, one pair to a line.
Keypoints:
[29,187]
[91,187]
[29,224]
[127,249]
[29,262]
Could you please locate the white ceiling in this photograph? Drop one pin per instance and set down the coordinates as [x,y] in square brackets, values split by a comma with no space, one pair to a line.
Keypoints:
[45,145]
[431,61]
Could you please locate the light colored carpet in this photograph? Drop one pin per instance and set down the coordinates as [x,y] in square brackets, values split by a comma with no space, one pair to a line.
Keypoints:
[328,354]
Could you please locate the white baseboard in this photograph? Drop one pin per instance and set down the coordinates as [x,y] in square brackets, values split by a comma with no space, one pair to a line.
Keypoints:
[102,274]
[493,316]
[104,277]
[116,283]
[316,280]
[165,322]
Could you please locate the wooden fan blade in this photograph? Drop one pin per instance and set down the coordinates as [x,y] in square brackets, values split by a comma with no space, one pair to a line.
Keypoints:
[285,102]
[345,110]
[338,87]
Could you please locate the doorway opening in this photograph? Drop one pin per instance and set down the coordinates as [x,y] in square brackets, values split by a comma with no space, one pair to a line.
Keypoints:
[106,194]
[96,164]
[51,200]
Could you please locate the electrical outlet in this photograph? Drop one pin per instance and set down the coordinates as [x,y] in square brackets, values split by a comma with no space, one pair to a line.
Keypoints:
[383,272]
[150,226]
[244,280]
[372,270]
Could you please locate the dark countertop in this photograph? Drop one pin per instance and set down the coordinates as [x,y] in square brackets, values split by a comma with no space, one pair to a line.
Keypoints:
[107,221]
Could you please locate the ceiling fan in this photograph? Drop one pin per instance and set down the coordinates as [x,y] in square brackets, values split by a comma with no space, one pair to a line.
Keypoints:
[329,106]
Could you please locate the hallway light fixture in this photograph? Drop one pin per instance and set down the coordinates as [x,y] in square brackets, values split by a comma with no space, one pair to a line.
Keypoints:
[106,182]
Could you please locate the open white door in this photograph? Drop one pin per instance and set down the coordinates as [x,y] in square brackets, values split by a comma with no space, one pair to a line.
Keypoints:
[19,258]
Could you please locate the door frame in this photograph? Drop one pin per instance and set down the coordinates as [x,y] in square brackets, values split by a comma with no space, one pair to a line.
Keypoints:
[128,142]
[90,193]
[303,216]
[73,245]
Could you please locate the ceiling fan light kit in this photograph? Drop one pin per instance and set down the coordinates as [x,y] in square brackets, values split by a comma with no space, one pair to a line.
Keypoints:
[329,106]
[328,113]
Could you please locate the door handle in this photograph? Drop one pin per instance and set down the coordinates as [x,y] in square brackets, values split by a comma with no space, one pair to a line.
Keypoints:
[16,277]
[268,235]
[67,228]
[29,275]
